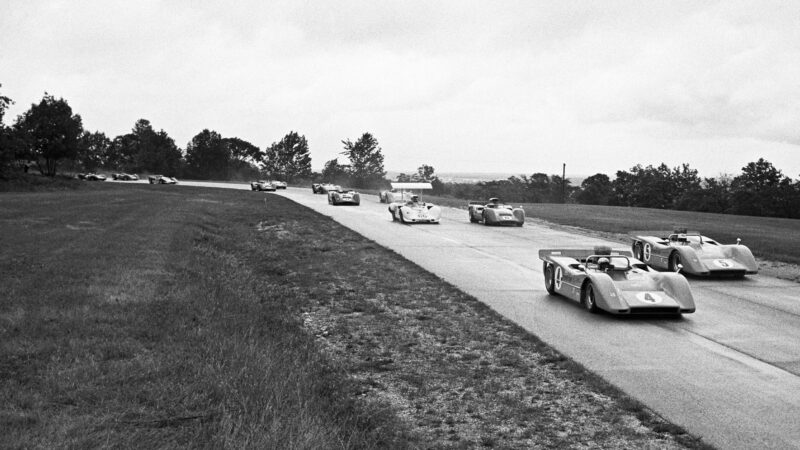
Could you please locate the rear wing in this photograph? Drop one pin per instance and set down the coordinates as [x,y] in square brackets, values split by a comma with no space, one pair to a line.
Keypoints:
[581,254]
[410,186]
[471,203]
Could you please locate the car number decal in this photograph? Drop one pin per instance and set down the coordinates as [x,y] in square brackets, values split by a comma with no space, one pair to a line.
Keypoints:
[559,275]
[648,297]
[647,252]
[724,263]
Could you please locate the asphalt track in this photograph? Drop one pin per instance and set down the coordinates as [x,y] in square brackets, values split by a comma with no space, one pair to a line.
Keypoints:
[729,373]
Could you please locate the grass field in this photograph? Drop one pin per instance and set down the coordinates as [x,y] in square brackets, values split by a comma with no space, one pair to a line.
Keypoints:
[162,316]
[767,237]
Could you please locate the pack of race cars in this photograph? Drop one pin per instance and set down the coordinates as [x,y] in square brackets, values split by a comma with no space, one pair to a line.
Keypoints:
[647,279]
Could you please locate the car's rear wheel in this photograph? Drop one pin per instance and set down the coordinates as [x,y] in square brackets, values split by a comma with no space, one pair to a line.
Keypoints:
[549,279]
[589,298]
[675,262]
[402,219]
[472,219]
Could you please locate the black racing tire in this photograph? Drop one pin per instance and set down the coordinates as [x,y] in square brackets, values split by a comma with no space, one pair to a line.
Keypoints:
[402,219]
[472,219]
[674,262]
[589,298]
[638,251]
[549,278]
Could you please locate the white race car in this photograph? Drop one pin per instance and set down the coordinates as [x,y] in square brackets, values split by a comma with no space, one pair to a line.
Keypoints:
[279,184]
[262,185]
[414,210]
[339,196]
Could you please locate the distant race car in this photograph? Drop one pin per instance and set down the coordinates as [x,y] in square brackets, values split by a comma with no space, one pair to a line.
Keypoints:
[323,188]
[262,185]
[496,213]
[161,179]
[279,184]
[692,253]
[124,176]
[92,176]
[394,195]
[343,197]
[614,281]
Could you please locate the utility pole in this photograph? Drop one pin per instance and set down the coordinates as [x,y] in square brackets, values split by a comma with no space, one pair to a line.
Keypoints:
[563,175]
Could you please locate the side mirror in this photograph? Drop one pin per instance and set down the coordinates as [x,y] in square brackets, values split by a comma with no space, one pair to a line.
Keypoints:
[680,267]
[738,241]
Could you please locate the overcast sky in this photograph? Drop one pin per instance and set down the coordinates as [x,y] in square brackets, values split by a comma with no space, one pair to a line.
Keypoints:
[464,86]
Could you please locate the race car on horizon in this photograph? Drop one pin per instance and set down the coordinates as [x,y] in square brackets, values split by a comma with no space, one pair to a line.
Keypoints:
[161,179]
[124,176]
[279,184]
[262,185]
[394,195]
[614,281]
[323,188]
[339,196]
[92,176]
[495,213]
[692,253]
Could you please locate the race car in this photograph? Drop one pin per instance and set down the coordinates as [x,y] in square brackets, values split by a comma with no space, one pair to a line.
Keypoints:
[495,213]
[279,184]
[92,176]
[161,179]
[394,195]
[262,185]
[414,210]
[693,253]
[323,188]
[341,196]
[614,281]
[124,176]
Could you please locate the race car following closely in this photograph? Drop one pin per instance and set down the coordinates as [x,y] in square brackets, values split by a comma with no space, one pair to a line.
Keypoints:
[341,196]
[124,176]
[495,213]
[262,185]
[614,281]
[692,253]
[161,179]
[279,184]
[323,188]
[414,210]
[92,176]
[394,195]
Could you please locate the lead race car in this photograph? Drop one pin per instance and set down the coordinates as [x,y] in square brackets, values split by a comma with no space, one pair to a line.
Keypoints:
[614,281]
[693,253]
[496,213]
[339,196]
[161,179]
[414,210]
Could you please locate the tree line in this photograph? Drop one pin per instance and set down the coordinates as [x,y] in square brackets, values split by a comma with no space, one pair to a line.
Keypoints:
[51,138]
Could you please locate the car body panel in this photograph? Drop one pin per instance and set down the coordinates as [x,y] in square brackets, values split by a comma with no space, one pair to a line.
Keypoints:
[279,184]
[324,188]
[494,212]
[697,254]
[262,185]
[624,285]
[394,195]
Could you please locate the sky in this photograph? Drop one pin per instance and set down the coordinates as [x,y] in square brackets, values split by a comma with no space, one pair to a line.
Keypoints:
[514,87]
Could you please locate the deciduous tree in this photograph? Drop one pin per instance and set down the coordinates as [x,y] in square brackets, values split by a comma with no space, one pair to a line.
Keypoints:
[207,156]
[289,158]
[51,132]
[366,161]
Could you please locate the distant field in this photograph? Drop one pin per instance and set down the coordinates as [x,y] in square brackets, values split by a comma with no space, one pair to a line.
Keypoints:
[180,317]
[769,238]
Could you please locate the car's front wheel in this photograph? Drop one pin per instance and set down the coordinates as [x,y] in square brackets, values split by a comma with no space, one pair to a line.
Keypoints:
[589,301]
[549,279]
[638,253]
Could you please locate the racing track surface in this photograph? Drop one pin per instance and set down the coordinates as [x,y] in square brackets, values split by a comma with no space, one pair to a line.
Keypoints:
[729,373]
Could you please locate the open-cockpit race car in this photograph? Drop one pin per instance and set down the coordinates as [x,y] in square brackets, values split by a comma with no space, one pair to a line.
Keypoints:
[279,184]
[414,210]
[496,213]
[692,253]
[394,195]
[125,176]
[339,196]
[614,281]
[323,188]
[262,185]
[161,179]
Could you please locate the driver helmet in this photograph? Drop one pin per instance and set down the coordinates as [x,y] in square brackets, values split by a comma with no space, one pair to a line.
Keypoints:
[415,198]
[603,263]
